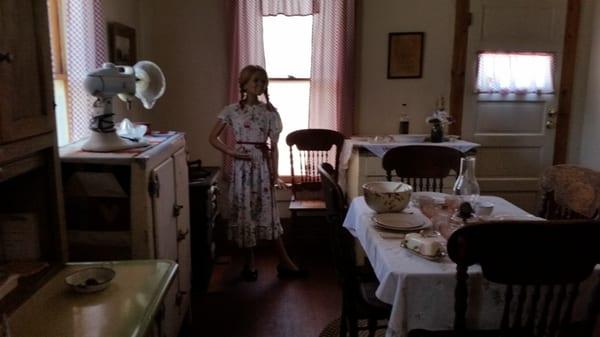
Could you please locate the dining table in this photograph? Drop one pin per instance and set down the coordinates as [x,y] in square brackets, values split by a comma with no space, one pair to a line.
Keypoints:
[421,291]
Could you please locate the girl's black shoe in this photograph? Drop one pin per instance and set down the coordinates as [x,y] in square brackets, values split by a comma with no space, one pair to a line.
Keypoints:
[287,273]
[249,275]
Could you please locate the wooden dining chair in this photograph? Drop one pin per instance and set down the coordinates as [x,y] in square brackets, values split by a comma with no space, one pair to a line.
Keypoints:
[541,264]
[358,283]
[309,148]
[569,192]
[422,167]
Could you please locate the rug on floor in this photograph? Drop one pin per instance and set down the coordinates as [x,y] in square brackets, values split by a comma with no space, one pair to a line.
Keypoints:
[333,329]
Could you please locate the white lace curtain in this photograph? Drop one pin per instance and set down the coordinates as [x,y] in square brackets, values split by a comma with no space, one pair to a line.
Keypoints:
[85,49]
[515,73]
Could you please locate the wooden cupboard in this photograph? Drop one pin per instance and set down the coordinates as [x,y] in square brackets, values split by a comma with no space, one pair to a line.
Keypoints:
[26,96]
[31,200]
[132,205]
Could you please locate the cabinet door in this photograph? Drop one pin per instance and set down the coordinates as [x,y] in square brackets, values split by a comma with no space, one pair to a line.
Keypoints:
[165,238]
[165,226]
[183,223]
[26,92]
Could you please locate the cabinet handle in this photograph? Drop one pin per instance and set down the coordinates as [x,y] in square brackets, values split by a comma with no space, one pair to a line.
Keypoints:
[179,297]
[8,57]
[182,234]
[177,210]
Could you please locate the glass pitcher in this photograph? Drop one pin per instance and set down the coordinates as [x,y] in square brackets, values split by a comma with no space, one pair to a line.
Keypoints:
[466,185]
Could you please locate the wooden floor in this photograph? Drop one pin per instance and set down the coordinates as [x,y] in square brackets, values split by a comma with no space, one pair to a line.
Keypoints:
[268,307]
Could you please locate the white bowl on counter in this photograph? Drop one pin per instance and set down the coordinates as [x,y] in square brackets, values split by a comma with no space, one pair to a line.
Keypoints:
[90,280]
[387,196]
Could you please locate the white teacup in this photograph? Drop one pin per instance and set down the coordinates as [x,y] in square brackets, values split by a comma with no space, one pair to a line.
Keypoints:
[484,208]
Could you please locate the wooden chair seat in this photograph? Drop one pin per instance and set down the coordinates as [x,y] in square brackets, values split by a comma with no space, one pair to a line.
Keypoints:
[307,205]
[309,148]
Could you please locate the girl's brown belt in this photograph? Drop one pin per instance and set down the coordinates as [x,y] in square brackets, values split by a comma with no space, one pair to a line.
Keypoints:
[265,149]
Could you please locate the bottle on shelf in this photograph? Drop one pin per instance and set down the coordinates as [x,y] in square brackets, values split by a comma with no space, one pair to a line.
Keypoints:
[404,122]
[466,185]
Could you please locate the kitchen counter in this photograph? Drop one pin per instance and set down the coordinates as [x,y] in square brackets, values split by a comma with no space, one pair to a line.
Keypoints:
[127,308]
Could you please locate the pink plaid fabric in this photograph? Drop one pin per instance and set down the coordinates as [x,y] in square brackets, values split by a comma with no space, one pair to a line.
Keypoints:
[332,75]
[86,50]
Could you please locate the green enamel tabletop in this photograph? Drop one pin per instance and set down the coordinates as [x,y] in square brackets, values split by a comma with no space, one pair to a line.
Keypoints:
[125,309]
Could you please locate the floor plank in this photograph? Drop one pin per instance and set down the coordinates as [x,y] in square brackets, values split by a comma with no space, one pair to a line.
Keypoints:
[268,307]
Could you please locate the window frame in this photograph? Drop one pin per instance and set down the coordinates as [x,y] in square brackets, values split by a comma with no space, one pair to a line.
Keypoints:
[59,63]
[287,178]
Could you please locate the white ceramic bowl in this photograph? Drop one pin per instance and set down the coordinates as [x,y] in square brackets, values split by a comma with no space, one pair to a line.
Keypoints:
[387,196]
[484,208]
[90,280]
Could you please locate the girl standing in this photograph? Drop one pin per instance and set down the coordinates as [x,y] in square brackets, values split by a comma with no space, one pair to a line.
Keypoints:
[253,209]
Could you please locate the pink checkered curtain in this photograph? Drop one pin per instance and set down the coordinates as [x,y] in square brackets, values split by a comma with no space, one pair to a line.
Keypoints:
[290,7]
[247,41]
[85,48]
[247,47]
[332,67]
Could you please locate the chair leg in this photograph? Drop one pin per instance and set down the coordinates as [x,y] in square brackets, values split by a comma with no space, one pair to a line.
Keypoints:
[372,325]
[343,326]
[353,327]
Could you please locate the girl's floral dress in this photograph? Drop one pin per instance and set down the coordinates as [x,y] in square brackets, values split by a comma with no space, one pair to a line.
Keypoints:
[254,214]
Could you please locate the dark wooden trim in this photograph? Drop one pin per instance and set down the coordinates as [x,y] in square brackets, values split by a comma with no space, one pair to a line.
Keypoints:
[567,77]
[459,61]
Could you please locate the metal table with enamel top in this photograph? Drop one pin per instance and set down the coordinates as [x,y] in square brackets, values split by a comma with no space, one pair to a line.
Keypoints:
[127,308]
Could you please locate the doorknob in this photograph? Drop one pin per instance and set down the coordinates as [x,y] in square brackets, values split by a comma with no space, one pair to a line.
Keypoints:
[552,112]
[550,124]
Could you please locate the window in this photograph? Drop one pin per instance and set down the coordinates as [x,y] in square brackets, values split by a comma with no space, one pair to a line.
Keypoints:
[515,73]
[287,41]
[58,70]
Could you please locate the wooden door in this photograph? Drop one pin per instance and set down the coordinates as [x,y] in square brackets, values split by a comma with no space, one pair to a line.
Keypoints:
[516,131]
[26,92]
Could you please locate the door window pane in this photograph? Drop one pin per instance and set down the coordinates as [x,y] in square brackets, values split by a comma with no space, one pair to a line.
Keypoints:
[516,73]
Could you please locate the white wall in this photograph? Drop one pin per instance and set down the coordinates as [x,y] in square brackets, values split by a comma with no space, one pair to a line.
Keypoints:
[379,98]
[188,40]
[590,136]
[125,12]
[580,83]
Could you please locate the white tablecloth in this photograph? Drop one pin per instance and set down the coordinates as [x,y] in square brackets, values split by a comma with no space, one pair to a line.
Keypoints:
[421,291]
[380,147]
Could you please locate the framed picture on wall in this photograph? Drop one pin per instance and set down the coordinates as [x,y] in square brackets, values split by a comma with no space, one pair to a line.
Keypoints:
[121,44]
[405,55]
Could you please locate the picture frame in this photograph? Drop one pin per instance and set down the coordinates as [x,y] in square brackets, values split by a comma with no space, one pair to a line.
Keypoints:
[405,55]
[121,44]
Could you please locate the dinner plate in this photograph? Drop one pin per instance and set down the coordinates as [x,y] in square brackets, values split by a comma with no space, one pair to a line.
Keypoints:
[401,221]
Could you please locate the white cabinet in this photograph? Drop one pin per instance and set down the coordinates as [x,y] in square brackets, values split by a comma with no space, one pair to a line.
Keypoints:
[132,205]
